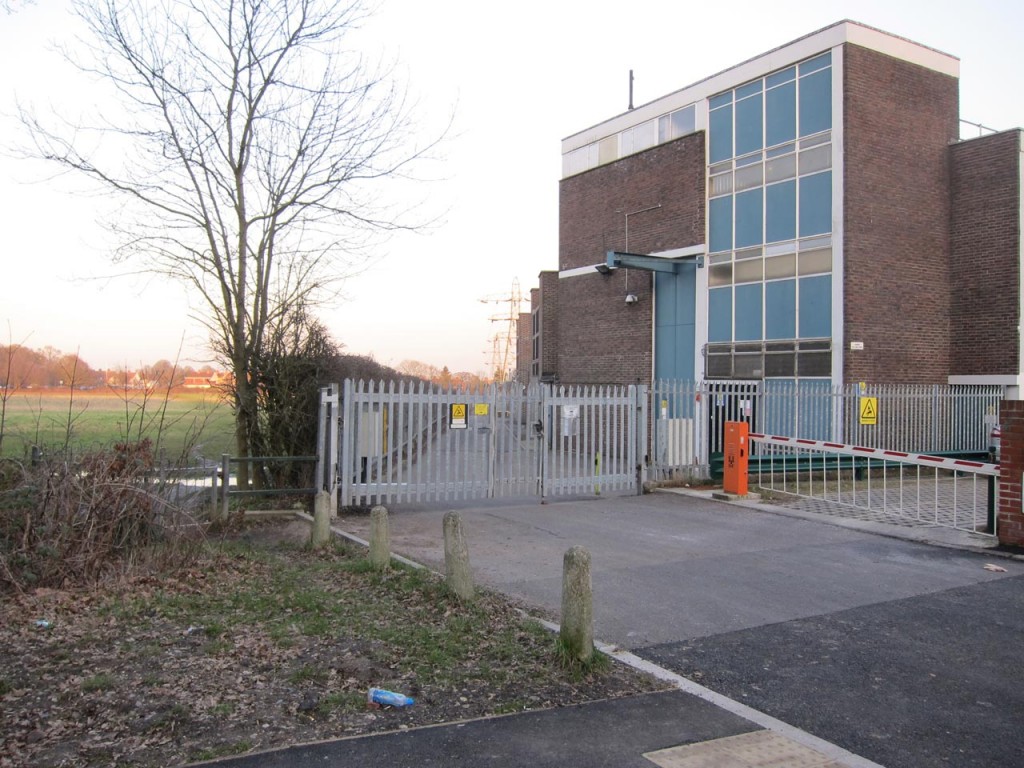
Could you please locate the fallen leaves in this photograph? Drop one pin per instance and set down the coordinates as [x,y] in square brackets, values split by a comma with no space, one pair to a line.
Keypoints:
[238,653]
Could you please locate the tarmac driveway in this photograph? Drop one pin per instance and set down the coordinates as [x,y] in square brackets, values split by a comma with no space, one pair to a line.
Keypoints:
[907,654]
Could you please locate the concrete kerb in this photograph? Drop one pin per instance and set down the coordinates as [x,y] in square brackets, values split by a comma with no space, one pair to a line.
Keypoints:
[345,535]
[621,656]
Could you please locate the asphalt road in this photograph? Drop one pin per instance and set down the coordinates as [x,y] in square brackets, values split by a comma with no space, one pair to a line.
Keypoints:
[904,653]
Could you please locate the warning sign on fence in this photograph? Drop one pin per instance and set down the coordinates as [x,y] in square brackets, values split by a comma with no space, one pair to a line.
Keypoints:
[869,410]
[458,416]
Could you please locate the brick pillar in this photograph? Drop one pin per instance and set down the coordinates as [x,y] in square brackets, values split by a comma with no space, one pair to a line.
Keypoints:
[1010,524]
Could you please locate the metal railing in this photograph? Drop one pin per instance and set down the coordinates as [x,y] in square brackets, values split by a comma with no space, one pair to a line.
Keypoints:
[886,485]
[688,417]
[186,486]
[227,492]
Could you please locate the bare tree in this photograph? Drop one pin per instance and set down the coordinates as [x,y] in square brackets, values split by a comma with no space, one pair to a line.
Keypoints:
[252,149]
[419,369]
[11,6]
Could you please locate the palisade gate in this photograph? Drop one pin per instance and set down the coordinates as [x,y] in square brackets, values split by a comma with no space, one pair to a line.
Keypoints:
[417,442]
[389,442]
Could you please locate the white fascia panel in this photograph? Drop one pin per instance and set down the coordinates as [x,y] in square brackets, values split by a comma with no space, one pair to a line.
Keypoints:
[803,48]
[1005,380]
[700,326]
[577,271]
[838,220]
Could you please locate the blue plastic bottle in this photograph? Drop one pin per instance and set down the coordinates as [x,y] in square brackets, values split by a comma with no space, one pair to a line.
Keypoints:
[388,698]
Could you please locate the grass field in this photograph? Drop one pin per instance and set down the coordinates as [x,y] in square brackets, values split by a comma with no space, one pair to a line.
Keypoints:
[91,419]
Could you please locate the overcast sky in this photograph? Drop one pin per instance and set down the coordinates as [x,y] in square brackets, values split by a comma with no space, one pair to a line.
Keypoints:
[519,77]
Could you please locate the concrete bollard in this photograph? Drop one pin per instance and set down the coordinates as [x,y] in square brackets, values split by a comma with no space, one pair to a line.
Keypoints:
[577,632]
[380,538]
[320,534]
[456,557]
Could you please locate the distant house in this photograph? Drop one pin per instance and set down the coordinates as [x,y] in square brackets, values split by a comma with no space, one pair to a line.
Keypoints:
[217,379]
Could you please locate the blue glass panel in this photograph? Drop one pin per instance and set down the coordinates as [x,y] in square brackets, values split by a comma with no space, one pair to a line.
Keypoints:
[816,307]
[720,224]
[780,211]
[749,117]
[816,204]
[720,134]
[780,309]
[674,331]
[819,62]
[749,89]
[780,114]
[720,100]
[780,77]
[749,217]
[748,312]
[720,314]
[816,102]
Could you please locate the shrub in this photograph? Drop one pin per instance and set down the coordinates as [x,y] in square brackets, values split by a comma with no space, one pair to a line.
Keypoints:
[64,524]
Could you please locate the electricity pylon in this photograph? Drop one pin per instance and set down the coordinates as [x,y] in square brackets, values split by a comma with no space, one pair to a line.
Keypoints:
[503,345]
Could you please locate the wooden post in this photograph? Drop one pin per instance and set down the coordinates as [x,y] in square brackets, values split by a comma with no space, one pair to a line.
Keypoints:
[456,557]
[577,631]
[320,534]
[380,538]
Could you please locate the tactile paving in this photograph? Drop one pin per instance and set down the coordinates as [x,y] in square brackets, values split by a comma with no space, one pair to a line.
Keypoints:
[759,749]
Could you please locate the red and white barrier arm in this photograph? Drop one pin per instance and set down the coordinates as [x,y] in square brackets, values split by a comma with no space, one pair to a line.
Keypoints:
[920,459]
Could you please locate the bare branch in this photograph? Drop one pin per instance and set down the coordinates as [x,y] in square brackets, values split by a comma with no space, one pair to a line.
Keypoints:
[250,153]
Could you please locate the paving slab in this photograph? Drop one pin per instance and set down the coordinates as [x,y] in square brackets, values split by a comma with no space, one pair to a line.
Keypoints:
[758,749]
[667,567]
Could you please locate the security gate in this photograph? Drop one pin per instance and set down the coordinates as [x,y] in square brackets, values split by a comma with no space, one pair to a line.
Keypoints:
[416,442]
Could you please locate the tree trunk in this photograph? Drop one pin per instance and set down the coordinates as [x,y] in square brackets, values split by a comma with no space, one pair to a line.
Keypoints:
[244,413]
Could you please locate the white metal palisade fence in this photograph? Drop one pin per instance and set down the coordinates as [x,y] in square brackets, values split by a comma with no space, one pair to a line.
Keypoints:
[892,485]
[418,442]
[688,418]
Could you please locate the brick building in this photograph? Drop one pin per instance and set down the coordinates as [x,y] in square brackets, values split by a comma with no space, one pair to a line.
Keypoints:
[808,214]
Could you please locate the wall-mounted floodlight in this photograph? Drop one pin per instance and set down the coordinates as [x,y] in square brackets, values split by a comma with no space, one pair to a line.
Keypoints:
[604,269]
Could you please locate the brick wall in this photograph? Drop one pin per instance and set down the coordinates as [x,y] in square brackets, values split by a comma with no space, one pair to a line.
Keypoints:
[524,347]
[985,243]
[1010,518]
[601,339]
[899,119]
[549,323]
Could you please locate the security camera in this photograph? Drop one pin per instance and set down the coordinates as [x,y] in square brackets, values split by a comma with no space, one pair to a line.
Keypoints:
[631,298]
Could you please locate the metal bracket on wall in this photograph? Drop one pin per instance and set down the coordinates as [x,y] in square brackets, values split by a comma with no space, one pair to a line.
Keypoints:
[644,261]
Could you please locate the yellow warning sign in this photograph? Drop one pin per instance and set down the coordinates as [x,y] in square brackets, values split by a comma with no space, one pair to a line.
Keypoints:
[457,414]
[869,410]
[480,409]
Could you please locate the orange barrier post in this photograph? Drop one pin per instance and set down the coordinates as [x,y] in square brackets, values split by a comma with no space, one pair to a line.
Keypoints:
[737,445]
